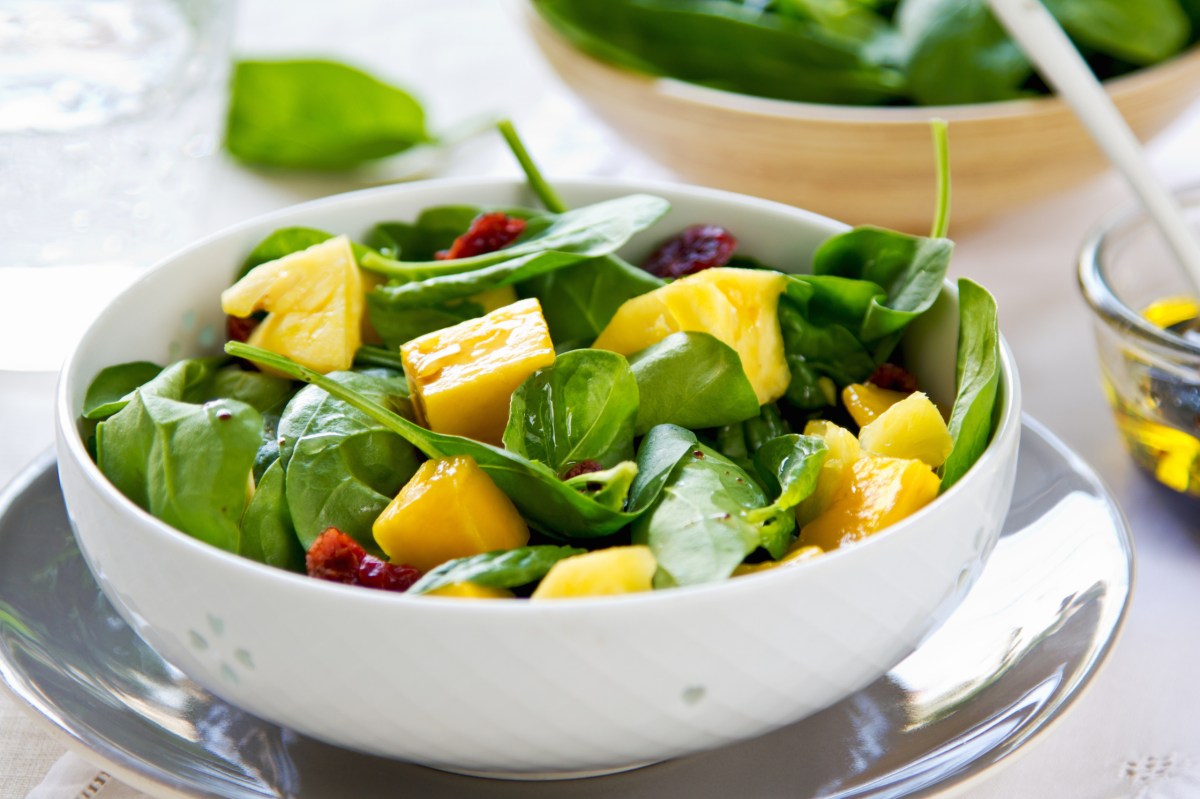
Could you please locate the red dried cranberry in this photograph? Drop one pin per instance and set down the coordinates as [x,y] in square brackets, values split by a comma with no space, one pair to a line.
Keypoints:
[375,573]
[488,233]
[697,247]
[893,378]
[583,467]
[239,329]
[337,557]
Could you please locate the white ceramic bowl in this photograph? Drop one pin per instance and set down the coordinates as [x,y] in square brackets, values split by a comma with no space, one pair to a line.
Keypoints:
[574,686]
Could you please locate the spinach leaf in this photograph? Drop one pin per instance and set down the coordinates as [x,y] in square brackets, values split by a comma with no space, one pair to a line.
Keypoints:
[609,487]
[587,232]
[186,380]
[959,53]
[545,501]
[265,393]
[343,467]
[579,301]
[507,568]
[662,448]
[267,534]
[789,466]
[740,441]
[820,357]
[910,269]
[187,464]
[317,115]
[580,408]
[437,227]
[110,390]
[288,240]
[1144,32]
[700,528]
[978,380]
[397,323]
[693,380]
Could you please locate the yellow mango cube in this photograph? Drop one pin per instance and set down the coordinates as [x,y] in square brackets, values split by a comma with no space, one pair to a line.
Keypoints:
[738,306]
[462,377]
[879,492]
[866,401]
[469,590]
[912,428]
[616,570]
[449,509]
[314,303]
[835,471]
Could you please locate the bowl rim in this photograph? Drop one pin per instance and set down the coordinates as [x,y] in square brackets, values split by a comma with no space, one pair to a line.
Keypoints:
[73,446]
[1098,291]
[1186,60]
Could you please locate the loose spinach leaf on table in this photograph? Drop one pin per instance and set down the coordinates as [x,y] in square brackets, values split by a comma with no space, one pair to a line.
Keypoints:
[580,408]
[109,391]
[700,525]
[312,114]
[978,380]
[545,501]
[186,463]
[692,380]
[267,534]
[508,568]
[342,467]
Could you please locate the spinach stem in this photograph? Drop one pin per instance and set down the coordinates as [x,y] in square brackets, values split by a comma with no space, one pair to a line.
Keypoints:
[541,188]
[941,152]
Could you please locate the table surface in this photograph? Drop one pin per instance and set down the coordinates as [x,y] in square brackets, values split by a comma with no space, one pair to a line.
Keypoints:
[1134,733]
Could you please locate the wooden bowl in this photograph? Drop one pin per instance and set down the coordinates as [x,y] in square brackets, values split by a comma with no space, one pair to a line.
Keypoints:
[864,165]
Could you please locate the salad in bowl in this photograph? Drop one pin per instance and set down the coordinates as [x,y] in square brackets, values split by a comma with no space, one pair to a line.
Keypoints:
[761,454]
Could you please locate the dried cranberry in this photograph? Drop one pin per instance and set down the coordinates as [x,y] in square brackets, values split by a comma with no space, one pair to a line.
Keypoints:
[893,378]
[239,329]
[697,247]
[583,467]
[488,233]
[337,557]
[375,573]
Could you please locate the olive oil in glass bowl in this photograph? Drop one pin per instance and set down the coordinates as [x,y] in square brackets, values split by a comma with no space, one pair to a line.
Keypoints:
[1147,325]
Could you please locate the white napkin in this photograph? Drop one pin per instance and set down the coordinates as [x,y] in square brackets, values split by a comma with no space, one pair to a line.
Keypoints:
[72,777]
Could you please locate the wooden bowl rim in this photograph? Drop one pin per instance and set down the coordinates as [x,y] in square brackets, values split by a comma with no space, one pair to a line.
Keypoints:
[1179,65]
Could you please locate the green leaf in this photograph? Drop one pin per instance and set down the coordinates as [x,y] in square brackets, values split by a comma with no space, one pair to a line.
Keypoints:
[265,393]
[662,448]
[437,227]
[110,390]
[187,464]
[608,487]
[978,380]
[317,115]
[288,240]
[789,467]
[267,534]
[692,380]
[959,53]
[343,467]
[580,408]
[545,501]
[579,301]
[1144,32]
[509,568]
[819,352]
[740,441]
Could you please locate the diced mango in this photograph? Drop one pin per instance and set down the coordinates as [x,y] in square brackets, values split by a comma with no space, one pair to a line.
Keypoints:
[449,509]
[462,377]
[795,554]
[866,401]
[880,492]
[835,471]
[314,304]
[471,590]
[737,306]
[912,428]
[616,570]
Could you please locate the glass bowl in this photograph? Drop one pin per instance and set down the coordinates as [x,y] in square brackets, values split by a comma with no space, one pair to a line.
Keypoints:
[1139,295]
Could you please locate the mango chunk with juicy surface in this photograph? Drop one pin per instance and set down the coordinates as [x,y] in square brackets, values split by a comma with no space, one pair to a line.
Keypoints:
[616,570]
[738,306]
[449,509]
[314,303]
[471,590]
[844,450]
[879,492]
[866,401]
[462,377]
[912,428]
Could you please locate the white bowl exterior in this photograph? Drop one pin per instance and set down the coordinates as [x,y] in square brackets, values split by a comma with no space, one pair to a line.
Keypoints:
[506,686]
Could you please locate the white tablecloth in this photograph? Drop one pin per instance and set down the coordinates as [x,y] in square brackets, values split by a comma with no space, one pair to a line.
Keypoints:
[1134,734]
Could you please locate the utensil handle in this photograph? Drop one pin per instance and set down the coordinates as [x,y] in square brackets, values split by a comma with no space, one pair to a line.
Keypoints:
[1047,45]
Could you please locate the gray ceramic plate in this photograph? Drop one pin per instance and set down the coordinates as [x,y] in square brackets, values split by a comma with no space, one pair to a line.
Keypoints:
[1022,646]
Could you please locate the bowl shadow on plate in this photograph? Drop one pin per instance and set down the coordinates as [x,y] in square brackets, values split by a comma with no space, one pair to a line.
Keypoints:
[973,692]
